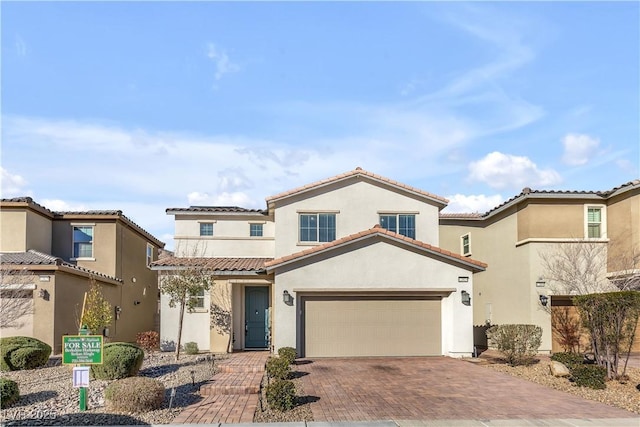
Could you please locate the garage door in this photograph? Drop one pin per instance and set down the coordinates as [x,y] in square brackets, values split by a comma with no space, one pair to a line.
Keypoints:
[372,326]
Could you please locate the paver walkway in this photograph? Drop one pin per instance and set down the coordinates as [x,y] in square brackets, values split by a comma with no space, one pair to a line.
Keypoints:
[232,394]
[434,388]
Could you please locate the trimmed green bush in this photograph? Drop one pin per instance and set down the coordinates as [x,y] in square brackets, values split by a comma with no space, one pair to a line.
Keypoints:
[18,353]
[278,368]
[570,360]
[519,343]
[9,392]
[134,394]
[281,394]
[191,347]
[288,353]
[120,360]
[591,376]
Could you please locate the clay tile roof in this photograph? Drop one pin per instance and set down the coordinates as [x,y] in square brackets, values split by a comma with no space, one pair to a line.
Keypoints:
[375,230]
[357,172]
[215,264]
[460,215]
[222,209]
[32,257]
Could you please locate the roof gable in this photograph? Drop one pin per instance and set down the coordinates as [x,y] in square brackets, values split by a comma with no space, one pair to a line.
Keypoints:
[377,231]
[359,173]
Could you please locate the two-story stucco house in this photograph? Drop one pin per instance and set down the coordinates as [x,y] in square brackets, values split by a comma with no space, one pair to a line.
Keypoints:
[347,266]
[49,258]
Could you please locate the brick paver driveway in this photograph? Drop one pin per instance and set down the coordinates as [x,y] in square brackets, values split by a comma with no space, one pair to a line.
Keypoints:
[433,388]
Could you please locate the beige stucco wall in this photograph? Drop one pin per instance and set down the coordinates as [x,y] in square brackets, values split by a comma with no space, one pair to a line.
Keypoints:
[534,220]
[39,230]
[13,226]
[623,226]
[374,265]
[104,244]
[358,204]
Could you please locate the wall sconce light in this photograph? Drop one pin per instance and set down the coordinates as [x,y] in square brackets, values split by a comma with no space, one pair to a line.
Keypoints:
[136,303]
[466,298]
[544,300]
[463,279]
[287,298]
[43,293]
[118,310]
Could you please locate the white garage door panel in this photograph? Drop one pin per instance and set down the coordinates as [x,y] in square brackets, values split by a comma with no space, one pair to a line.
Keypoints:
[336,327]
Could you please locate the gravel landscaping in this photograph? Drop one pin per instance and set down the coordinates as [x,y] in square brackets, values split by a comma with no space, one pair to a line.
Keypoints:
[625,395]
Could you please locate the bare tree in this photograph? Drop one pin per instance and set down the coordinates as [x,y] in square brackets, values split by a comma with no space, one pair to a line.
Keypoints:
[16,297]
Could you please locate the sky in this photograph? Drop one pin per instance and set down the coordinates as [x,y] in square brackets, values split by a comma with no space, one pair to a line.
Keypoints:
[144,106]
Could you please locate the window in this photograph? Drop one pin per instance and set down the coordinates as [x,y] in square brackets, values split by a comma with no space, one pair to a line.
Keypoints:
[255,230]
[399,223]
[82,242]
[198,299]
[465,244]
[317,227]
[149,254]
[206,229]
[595,222]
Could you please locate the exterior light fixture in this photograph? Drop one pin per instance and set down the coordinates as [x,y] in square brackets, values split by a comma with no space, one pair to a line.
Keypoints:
[544,300]
[136,303]
[287,298]
[42,293]
[466,298]
[118,311]
[463,279]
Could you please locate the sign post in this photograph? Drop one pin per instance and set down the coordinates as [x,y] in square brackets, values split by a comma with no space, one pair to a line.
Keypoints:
[85,349]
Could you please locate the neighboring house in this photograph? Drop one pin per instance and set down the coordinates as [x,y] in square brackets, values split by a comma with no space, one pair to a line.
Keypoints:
[347,266]
[48,258]
[512,237]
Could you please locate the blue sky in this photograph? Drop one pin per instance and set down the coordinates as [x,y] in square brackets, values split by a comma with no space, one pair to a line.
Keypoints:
[146,106]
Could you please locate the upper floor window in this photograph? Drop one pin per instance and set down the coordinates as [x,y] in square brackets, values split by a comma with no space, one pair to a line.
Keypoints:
[149,254]
[465,244]
[82,241]
[595,222]
[404,224]
[206,229]
[197,299]
[317,227]
[255,230]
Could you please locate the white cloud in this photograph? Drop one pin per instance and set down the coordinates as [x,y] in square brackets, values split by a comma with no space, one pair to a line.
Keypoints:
[500,170]
[579,148]
[61,205]
[220,199]
[481,203]
[221,60]
[12,185]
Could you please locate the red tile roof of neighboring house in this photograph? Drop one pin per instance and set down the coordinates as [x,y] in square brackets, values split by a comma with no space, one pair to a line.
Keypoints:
[32,257]
[376,230]
[221,209]
[358,172]
[216,264]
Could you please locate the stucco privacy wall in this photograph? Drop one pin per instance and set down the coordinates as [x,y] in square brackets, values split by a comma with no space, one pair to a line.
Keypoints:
[357,203]
[381,265]
[195,327]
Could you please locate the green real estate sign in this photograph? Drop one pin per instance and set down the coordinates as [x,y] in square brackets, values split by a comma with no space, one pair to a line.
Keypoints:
[82,349]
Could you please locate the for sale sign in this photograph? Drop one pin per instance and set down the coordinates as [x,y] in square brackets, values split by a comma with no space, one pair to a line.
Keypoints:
[82,349]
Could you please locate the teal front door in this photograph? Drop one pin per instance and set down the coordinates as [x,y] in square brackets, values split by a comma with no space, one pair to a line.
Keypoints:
[256,313]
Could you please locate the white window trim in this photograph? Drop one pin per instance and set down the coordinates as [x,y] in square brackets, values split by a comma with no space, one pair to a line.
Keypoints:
[462,244]
[317,213]
[146,254]
[212,228]
[257,223]
[603,221]
[73,242]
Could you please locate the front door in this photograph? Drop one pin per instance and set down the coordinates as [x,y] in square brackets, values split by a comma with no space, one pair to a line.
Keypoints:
[256,312]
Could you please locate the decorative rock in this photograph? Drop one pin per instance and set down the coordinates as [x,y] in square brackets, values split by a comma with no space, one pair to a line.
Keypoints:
[559,369]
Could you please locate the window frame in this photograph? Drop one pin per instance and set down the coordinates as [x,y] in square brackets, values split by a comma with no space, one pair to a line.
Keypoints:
[76,255]
[200,299]
[149,256]
[398,228]
[468,244]
[602,222]
[259,225]
[210,224]
[322,234]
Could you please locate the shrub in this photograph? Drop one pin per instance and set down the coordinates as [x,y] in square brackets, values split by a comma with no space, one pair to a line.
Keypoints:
[18,353]
[148,341]
[281,394]
[134,394]
[519,343]
[278,368]
[9,392]
[570,360]
[120,360]
[191,347]
[591,376]
[287,353]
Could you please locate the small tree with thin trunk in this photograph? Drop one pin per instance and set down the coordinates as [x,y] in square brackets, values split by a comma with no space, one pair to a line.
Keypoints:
[16,296]
[97,310]
[181,284]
